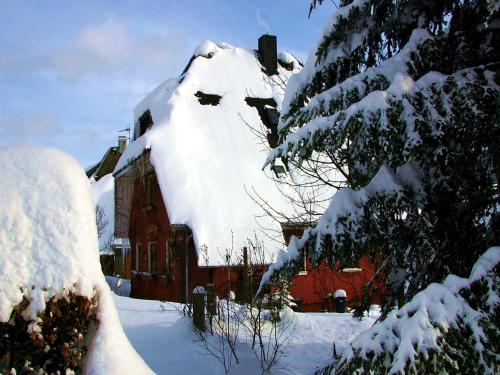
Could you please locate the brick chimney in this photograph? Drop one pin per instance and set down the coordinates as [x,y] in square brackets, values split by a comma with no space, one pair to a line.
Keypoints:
[268,53]
[122,143]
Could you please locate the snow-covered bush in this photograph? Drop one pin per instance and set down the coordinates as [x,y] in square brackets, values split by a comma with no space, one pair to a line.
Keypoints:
[56,340]
[402,98]
[448,328]
[56,310]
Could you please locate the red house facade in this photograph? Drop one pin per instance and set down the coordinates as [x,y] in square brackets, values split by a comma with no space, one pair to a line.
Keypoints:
[182,184]
[165,263]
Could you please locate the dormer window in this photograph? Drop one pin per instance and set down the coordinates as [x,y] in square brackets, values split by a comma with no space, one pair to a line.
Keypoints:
[208,99]
[278,169]
[145,122]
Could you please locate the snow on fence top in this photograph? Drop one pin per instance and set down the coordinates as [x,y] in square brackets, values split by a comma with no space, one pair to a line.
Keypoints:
[48,246]
[206,156]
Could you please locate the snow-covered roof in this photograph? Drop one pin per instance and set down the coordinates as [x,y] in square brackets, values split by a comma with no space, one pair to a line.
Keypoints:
[104,197]
[207,156]
[48,246]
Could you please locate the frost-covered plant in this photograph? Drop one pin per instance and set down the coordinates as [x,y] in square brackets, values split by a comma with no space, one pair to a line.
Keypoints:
[448,328]
[224,328]
[265,321]
[403,97]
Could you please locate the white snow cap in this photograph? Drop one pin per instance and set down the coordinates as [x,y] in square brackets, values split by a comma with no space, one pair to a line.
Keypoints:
[206,157]
[48,246]
[48,238]
[339,293]
[205,49]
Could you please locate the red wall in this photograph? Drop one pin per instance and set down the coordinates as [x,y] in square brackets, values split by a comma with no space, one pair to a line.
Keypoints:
[151,224]
[315,286]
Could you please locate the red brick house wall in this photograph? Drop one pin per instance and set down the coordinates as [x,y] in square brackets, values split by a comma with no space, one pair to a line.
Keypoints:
[149,222]
[315,286]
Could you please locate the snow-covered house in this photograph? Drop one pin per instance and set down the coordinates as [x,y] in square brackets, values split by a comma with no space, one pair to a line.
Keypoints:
[113,251]
[182,185]
[108,162]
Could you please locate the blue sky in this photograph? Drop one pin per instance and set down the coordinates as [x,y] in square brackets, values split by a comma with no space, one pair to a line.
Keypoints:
[71,72]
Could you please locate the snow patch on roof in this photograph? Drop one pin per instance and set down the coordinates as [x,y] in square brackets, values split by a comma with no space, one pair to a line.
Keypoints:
[103,194]
[207,156]
[206,49]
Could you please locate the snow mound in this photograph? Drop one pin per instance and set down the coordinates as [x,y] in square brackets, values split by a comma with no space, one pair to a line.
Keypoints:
[208,157]
[48,236]
[48,246]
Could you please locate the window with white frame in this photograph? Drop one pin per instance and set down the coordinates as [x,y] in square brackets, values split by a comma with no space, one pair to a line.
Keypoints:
[152,257]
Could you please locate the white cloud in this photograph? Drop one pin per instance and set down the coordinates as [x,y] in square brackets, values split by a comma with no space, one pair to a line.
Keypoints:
[111,48]
[28,128]
[261,22]
[107,49]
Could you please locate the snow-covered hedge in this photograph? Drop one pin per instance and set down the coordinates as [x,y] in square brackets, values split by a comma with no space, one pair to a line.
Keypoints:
[447,328]
[55,341]
[56,310]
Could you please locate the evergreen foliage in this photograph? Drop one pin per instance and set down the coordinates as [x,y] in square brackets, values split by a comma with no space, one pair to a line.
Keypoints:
[449,328]
[404,97]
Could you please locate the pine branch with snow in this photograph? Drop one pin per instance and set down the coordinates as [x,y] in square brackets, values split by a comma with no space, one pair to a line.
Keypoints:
[448,328]
[403,97]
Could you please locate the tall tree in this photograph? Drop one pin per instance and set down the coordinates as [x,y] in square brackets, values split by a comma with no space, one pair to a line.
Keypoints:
[402,95]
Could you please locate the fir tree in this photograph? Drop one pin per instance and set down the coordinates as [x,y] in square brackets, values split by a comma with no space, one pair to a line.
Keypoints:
[402,96]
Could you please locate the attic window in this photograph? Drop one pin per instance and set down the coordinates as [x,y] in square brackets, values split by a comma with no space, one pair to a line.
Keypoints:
[145,122]
[269,116]
[278,169]
[208,99]
[287,66]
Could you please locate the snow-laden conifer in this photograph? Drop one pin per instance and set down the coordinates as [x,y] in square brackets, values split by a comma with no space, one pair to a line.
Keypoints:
[402,96]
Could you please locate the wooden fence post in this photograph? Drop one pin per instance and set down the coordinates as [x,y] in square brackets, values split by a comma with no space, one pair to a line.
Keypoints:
[199,308]
[246,278]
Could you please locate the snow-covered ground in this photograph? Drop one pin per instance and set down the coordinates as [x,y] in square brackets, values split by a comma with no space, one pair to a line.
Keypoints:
[119,286]
[167,343]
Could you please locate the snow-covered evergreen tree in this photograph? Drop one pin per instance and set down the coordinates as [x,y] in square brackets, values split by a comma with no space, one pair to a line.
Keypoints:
[403,97]
[448,328]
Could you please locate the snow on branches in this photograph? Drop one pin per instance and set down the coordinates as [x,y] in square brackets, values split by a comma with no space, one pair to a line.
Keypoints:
[446,328]
[395,85]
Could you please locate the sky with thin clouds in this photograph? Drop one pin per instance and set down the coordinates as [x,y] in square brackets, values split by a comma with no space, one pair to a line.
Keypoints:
[71,72]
